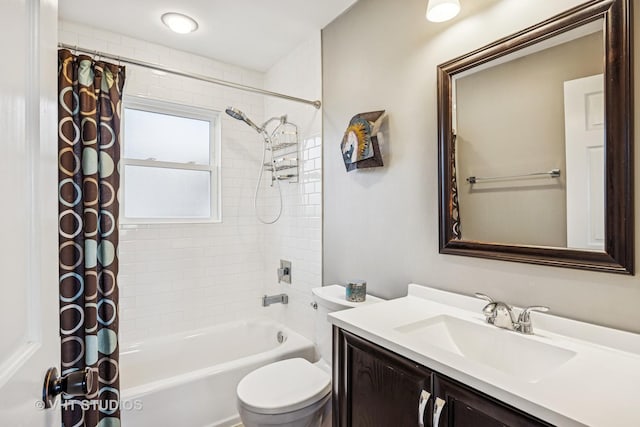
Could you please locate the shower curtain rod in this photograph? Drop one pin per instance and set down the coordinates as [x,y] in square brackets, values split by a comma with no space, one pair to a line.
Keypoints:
[195,76]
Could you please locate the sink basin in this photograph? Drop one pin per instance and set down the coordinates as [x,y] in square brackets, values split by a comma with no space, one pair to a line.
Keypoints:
[507,351]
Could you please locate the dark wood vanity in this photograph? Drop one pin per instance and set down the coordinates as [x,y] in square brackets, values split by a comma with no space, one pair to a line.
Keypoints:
[373,386]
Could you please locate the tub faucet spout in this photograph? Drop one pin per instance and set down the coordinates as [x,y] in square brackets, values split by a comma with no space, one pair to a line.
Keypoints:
[274,299]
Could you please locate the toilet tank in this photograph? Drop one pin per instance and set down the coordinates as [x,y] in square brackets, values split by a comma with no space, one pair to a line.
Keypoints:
[329,299]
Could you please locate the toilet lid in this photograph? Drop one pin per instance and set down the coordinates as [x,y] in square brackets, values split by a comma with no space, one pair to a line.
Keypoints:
[284,386]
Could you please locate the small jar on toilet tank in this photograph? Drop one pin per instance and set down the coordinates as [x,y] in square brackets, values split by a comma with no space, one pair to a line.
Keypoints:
[356,290]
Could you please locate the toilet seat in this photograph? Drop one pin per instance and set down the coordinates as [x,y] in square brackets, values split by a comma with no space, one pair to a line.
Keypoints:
[283,386]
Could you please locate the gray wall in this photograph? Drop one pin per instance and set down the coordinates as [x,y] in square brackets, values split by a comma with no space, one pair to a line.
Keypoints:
[382,224]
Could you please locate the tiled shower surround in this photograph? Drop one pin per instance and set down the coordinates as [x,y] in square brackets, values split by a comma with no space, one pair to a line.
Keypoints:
[176,277]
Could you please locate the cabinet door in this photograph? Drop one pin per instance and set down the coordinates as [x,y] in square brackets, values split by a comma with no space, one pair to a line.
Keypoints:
[464,407]
[377,387]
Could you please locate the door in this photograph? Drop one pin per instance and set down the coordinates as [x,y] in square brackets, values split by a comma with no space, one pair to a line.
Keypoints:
[384,389]
[584,146]
[464,407]
[29,341]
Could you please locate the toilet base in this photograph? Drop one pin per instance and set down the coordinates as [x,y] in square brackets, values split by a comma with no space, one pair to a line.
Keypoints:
[315,415]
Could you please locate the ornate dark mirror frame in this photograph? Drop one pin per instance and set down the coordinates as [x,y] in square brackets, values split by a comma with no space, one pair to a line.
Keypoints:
[618,256]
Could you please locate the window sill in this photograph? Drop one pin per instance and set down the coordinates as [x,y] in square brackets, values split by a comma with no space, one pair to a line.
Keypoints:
[148,223]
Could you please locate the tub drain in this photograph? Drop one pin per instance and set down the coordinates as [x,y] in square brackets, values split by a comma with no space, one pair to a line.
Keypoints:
[281,337]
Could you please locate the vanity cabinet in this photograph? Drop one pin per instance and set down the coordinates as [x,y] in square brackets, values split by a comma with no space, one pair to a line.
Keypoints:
[373,386]
[381,388]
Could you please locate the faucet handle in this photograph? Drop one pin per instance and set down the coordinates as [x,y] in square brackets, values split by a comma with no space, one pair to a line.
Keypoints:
[524,320]
[524,316]
[489,310]
[484,297]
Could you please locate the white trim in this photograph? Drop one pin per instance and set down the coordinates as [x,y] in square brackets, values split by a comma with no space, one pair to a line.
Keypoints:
[140,102]
[32,128]
[32,147]
[215,136]
[29,344]
[167,165]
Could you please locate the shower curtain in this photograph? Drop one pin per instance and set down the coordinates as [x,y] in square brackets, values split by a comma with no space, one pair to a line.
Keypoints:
[455,205]
[89,106]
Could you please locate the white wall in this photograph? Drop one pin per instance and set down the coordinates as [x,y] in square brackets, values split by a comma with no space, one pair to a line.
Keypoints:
[382,225]
[182,277]
[297,235]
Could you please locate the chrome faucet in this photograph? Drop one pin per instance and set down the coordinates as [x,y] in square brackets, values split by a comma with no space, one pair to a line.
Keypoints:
[501,315]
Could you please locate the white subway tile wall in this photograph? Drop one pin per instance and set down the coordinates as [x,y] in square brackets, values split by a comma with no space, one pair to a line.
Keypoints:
[297,237]
[176,277]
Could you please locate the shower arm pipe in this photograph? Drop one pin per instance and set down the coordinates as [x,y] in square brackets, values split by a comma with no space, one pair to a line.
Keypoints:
[121,59]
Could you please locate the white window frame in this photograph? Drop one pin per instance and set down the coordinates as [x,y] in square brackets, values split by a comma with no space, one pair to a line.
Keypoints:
[178,110]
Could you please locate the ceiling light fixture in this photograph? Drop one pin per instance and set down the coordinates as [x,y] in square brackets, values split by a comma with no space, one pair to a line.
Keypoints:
[442,10]
[179,23]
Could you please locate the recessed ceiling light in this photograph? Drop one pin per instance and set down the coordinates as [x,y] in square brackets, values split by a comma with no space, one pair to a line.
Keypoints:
[442,10]
[179,23]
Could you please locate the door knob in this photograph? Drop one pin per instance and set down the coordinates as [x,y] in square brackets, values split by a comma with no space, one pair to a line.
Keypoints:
[77,383]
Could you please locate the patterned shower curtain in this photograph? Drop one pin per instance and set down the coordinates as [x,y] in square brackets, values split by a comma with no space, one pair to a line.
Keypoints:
[455,205]
[89,106]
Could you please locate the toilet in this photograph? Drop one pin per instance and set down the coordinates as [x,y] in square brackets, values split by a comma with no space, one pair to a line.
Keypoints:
[296,392]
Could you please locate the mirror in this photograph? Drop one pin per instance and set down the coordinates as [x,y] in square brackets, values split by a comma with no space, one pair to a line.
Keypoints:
[535,151]
[506,145]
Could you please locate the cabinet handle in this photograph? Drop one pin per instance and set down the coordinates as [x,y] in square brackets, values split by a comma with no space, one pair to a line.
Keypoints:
[422,405]
[437,410]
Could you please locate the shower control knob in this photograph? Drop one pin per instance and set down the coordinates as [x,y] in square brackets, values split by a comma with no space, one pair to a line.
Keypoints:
[77,383]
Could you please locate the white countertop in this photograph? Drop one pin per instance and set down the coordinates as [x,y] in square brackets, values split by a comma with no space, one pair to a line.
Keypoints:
[599,386]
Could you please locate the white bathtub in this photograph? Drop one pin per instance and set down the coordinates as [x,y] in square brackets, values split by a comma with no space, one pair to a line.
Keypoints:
[190,379]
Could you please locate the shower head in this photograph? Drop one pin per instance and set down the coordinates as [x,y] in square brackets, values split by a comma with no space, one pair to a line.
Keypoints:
[235,113]
[239,115]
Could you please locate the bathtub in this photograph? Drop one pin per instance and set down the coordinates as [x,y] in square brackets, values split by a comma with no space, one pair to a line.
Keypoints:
[190,379]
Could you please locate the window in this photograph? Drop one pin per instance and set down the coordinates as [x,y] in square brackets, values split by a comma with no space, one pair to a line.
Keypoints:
[170,163]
